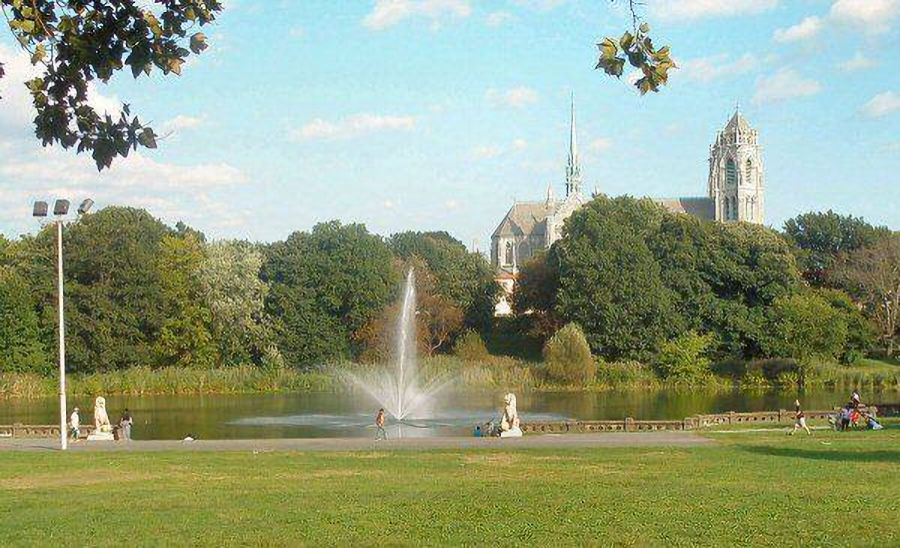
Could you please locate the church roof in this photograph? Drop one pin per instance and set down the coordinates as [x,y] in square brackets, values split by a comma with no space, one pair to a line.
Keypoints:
[737,123]
[526,218]
[704,208]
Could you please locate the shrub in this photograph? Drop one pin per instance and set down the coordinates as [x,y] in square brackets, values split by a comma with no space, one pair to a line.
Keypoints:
[631,373]
[470,347]
[568,356]
[684,358]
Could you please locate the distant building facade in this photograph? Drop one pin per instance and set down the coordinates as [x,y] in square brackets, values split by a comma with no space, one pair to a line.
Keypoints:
[735,193]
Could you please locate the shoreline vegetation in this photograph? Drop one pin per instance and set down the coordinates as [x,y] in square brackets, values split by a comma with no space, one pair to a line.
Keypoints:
[495,372]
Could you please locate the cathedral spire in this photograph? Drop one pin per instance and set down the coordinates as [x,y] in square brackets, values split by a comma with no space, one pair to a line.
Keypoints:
[573,169]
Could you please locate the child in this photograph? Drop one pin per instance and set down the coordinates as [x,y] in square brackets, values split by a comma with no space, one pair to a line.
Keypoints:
[845,418]
[800,421]
[871,423]
[380,434]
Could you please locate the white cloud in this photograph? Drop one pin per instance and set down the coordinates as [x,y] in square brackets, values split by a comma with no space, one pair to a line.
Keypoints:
[519,144]
[387,13]
[387,204]
[451,204]
[803,30]
[857,62]
[540,5]
[296,32]
[516,97]
[497,18]
[698,9]
[882,104]
[873,16]
[183,122]
[353,126]
[485,152]
[784,84]
[600,144]
[707,69]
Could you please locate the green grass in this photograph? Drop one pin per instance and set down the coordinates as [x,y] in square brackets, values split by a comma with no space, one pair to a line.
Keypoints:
[752,488]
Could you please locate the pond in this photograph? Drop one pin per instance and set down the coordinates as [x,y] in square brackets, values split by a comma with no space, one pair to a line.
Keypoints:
[313,415]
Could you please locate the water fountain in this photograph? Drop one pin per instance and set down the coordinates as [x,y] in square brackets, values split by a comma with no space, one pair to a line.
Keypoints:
[402,389]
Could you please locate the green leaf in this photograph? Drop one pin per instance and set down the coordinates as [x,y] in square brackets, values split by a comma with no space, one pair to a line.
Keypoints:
[147,138]
[198,42]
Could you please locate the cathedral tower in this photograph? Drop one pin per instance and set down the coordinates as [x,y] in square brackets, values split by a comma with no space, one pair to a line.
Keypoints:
[736,182]
[573,167]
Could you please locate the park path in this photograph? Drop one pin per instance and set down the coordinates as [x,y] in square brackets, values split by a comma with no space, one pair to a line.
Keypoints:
[562,441]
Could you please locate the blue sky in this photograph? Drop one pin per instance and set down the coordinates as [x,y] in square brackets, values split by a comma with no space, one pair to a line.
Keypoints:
[437,114]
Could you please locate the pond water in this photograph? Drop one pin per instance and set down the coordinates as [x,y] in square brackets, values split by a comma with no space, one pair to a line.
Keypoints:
[312,415]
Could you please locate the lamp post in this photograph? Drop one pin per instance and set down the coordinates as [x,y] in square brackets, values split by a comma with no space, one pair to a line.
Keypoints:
[60,210]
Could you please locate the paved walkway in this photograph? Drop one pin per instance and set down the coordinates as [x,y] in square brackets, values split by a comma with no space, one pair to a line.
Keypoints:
[612,439]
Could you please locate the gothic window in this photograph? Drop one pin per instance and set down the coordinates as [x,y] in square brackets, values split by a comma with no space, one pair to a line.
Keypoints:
[748,172]
[509,253]
[727,209]
[730,173]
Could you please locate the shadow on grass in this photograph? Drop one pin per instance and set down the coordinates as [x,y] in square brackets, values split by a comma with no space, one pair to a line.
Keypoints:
[830,455]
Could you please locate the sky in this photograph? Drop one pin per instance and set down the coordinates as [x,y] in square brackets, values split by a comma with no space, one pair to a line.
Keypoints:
[438,114]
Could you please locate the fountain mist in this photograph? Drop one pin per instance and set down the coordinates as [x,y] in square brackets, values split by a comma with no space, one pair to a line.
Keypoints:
[403,390]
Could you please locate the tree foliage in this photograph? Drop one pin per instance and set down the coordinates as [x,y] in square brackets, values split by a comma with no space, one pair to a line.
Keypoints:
[568,356]
[235,294]
[822,238]
[77,42]
[465,279]
[872,275]
[686,357]
[185,338]
[21,344]
[636,47]
[325,286]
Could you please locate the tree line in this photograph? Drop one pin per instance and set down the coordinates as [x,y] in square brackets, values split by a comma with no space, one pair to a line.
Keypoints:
[141,293]
[638,282]
[638,279]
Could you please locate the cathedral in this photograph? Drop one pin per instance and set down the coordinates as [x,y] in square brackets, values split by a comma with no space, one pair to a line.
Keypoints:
[734,194]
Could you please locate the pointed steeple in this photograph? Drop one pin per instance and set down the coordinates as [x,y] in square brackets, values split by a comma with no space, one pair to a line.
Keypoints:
[573,168]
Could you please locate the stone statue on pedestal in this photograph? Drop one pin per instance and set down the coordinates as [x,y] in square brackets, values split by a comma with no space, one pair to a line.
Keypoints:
[102,428]
[509,424]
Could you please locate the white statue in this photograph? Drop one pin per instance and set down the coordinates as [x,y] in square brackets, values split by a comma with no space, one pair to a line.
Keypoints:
[101,419]
[509,424]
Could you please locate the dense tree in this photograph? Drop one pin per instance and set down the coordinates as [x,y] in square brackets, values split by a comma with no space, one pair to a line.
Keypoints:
[872,276]
[466,279]
[686,357]
[77,42]
[609,282]
[21,345]
[534,295]
[568,356]
[821,238]
[236,298]
[184,336]
[113,296]
[805,327]
[324,287]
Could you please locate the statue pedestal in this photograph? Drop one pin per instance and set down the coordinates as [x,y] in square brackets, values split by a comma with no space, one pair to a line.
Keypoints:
[101,436]
[512,433]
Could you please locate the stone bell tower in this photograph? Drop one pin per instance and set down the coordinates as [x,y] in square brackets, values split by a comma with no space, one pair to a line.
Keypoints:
[736,180]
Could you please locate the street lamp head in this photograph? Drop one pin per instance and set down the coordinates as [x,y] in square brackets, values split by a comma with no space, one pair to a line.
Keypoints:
[61,207]
[85,206]
[40,209]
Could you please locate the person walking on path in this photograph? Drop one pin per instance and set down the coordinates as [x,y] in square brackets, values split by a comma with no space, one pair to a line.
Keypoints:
[800,420]
[380,434]
[125,425]
[74,424]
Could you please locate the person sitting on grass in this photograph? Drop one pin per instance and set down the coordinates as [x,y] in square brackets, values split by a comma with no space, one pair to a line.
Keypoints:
[800,420]
[871,423]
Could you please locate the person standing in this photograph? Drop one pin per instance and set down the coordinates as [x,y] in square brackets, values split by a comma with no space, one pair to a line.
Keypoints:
[125,425]
[799,420]
[845,418]
[380,434]
[74,424]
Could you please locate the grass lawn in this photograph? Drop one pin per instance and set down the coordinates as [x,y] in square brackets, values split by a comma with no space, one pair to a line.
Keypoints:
[752,488]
